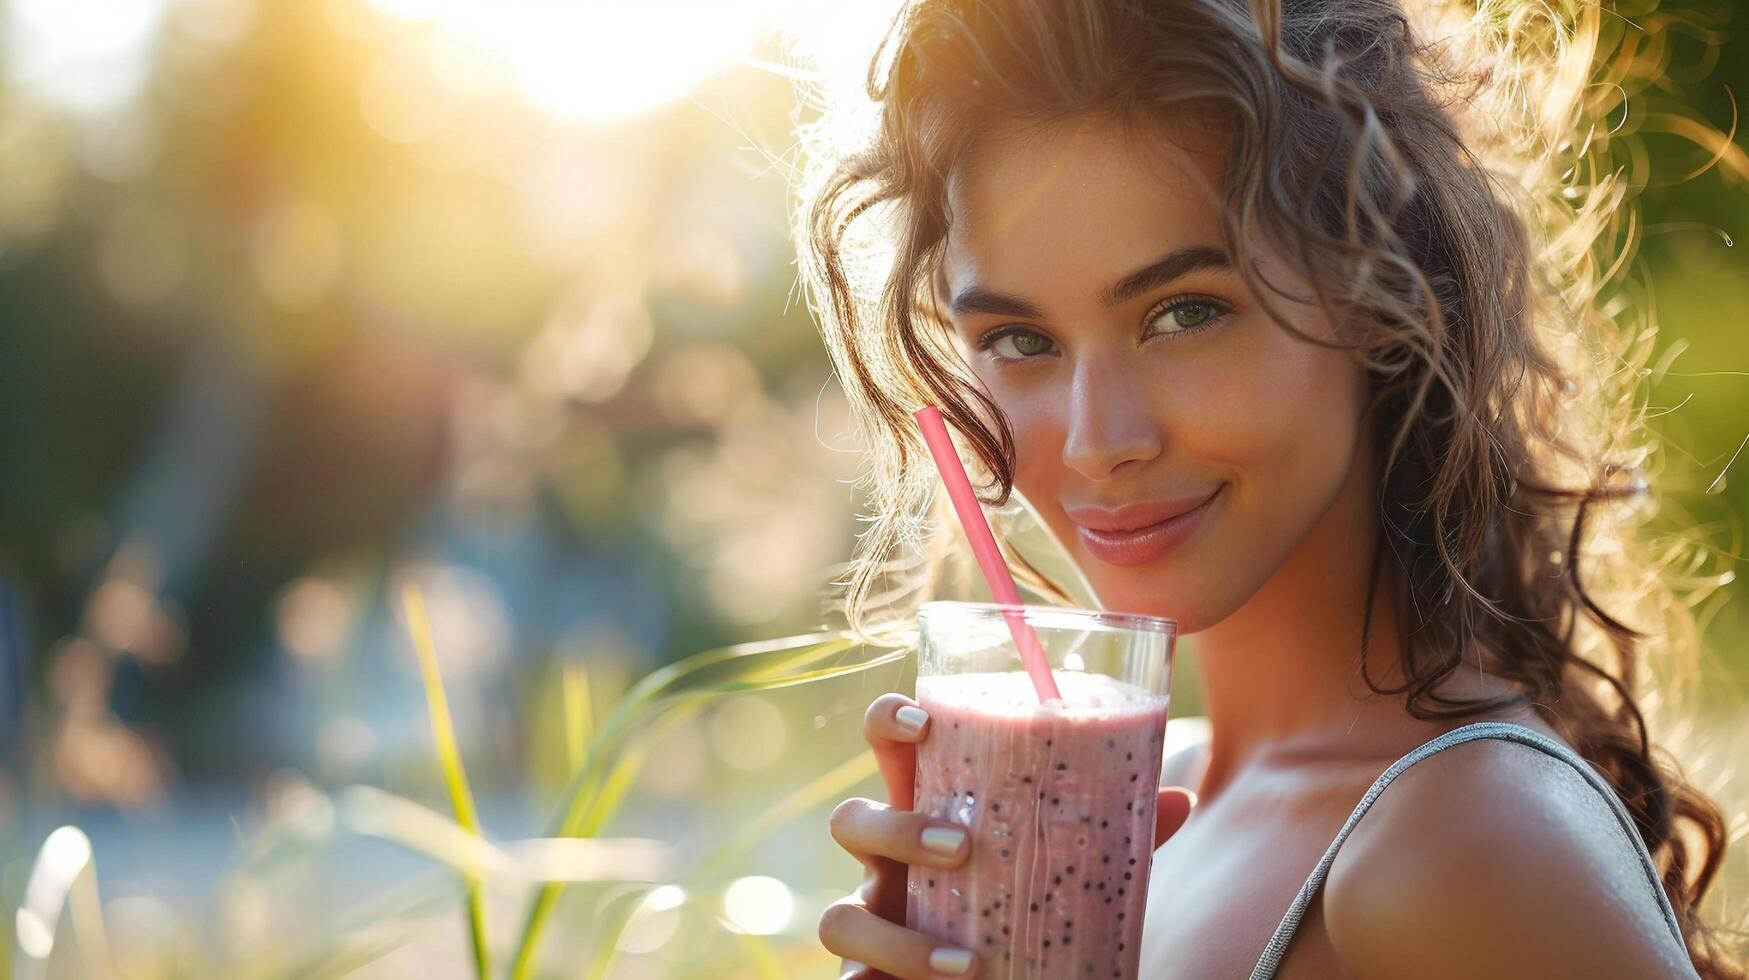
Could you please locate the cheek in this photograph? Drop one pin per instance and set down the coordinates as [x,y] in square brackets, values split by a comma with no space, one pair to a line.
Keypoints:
[1248,397]
[1284,429]
[1270,417]
[1280,424]
[1035,418]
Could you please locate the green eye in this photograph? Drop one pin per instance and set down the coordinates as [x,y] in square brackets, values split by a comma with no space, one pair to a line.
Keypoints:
[1015,343]
[1200,313]
[1187,314]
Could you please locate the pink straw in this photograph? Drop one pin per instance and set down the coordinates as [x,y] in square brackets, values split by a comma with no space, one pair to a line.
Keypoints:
[996,573]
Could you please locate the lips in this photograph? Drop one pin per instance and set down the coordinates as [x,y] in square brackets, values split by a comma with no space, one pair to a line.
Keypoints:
[1137,515]
[1140,532]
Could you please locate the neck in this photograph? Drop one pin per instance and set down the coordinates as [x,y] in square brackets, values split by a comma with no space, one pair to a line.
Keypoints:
[1282,675]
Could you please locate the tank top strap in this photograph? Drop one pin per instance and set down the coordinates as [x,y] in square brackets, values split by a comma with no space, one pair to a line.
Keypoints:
[1278,943]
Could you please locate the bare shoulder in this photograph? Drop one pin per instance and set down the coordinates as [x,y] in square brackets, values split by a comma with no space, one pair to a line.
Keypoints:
[1494,858]
[1186,743]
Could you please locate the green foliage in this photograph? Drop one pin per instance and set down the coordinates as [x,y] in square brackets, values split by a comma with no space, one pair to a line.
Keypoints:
[664,697]
[449,758]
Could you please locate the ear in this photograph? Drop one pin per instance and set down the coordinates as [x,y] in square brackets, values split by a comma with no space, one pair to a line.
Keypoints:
[1171,809]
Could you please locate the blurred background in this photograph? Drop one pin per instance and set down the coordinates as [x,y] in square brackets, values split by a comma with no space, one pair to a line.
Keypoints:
[304,301]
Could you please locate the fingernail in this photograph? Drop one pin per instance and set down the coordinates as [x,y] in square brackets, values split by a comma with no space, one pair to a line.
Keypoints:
[944,841]
[911,718]
[950,961]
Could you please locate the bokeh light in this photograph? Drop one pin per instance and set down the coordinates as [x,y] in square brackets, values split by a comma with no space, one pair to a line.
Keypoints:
[654,921]
[313,619]
[759,904]
[65,855]
[749,733]
[90,56]
[606,60]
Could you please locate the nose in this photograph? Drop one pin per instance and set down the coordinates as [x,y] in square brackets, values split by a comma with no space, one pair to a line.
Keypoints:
[1110,417]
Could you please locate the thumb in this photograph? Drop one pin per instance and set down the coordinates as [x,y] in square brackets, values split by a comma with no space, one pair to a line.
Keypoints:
[1172,808]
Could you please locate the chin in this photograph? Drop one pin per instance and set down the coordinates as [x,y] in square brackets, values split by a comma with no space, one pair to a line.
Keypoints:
[1193,608]
[1195,584]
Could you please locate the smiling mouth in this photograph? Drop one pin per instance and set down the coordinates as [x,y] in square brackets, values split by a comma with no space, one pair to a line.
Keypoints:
[1149,543]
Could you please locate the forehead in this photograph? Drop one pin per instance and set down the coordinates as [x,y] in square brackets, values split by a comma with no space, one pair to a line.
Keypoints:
[1083,196]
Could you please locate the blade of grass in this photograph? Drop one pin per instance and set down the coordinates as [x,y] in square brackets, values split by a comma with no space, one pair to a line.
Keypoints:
[449,757]
[381,815]
[817,790]
[620,909]
[685,685]
[617,784]
[766,669]
[578,723]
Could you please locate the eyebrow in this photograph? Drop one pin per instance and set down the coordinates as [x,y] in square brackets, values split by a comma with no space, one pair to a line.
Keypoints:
[1173,265]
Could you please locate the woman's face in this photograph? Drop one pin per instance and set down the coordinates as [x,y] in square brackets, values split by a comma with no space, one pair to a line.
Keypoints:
[1137,397]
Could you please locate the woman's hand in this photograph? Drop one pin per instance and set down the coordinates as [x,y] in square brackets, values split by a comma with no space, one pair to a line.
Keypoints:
[866,927]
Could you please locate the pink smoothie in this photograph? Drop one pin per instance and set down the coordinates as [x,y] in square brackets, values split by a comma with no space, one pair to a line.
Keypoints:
[1059,800]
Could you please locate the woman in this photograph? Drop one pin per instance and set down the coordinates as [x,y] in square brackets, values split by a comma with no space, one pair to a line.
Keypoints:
[1283,286]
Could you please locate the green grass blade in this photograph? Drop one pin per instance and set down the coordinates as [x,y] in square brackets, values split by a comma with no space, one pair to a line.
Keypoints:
[664,696]
[449,758]
[620,909]
[766,668]
[578,723]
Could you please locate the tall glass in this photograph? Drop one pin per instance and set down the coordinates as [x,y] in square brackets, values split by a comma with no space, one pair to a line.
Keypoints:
[1058,798]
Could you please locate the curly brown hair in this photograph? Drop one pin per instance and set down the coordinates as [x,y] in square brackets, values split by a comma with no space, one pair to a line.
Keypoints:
[1454,203]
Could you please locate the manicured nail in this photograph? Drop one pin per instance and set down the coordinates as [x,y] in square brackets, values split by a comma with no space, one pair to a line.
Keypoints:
[911,718]
[944,841]
[952,962]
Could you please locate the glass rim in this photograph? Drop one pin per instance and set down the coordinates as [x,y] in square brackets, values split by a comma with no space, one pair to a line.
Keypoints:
[1136,621]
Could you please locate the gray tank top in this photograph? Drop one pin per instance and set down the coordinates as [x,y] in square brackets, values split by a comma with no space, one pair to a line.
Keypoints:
[1284,933]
